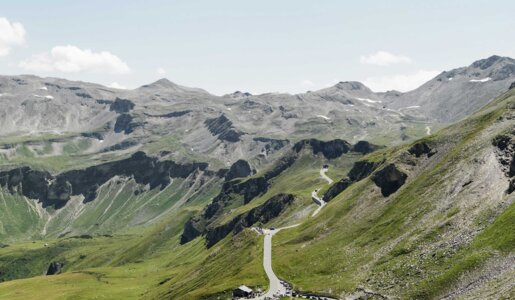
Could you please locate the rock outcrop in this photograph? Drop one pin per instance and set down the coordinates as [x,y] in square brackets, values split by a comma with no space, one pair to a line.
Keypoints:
[239,169]
[55,267]
[124,124]
[365,147]
[271,145]
[505,152]
[56,190]
[121,105]
[272,208]
[389,179]
[234,190]
[330,149]
[173,114]
[360,170]
[420,149]
[223,128]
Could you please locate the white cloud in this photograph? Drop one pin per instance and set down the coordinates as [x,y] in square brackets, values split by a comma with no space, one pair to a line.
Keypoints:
[383,58]
[116,85]
[71,59]
[11,35]
[307,82]
[401,83]
[161,71]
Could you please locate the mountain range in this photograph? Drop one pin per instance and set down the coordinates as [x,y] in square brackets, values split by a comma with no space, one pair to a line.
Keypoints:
[166,191]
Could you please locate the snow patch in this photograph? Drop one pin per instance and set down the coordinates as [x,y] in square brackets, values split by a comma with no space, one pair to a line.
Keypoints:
[450,78]
[323,117]
[410,107]
[44,88]
[481,80]
[368,100]
[428,130]
[46,97]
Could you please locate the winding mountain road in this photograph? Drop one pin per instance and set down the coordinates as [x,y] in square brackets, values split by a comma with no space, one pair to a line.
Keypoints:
[276,288]
[314,194]
[323,175]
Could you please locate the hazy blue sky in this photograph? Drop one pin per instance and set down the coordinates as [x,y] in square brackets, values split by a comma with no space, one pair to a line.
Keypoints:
[255,46]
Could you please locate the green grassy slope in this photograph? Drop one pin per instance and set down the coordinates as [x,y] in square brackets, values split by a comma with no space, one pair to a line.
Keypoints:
[419,242]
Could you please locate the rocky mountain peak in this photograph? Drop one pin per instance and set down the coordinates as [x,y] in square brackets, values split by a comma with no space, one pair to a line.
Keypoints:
[161,83]
[351,85]
[238,94]
[494,60]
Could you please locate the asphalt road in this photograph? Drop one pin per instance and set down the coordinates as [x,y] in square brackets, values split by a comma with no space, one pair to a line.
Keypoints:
[275,287]
[314,194]
[322,173]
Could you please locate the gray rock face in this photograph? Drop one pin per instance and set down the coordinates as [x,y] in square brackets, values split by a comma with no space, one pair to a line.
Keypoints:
[421,148]
[330,149]
[360,170]
[272,208]
[505,151]
[121,105]
[239,169]
[124,124]
[364,147]
[55,268]
[389,179]
[56,190]
[222,127]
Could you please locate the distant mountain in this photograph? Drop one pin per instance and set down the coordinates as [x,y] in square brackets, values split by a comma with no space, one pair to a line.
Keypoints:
[105,121]
[455,94]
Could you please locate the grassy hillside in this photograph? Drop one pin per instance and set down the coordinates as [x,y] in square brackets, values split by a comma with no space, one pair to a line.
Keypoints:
[448,231]
[438,233]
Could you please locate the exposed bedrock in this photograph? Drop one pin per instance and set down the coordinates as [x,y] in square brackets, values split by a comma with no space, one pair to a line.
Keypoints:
[330,149]
[365,147]
[389,179]
[360,170]
[118,105]
[420,149]
[241,168]
[505,152]
[56,190]
[55,268]
[223,128]
[232,191]
[269,210]
[121,105]
[124,124]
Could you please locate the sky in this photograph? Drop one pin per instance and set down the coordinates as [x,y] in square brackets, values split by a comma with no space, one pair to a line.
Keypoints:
[252,46]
